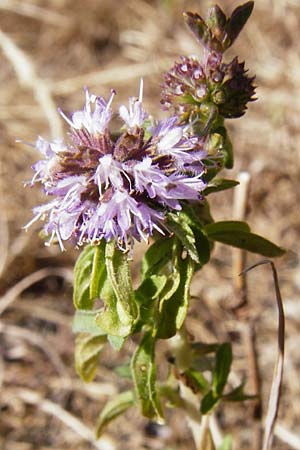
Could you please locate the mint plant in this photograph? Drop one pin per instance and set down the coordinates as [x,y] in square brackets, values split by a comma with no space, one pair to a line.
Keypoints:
[151,181]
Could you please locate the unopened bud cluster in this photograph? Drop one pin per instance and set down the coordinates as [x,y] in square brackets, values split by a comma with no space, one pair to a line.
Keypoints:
[193,82]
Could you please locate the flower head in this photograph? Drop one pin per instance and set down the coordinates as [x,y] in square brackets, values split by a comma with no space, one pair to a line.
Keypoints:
[121,188]
[191,83]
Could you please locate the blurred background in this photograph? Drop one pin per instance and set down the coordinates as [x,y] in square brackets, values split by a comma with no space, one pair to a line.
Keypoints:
[49,51]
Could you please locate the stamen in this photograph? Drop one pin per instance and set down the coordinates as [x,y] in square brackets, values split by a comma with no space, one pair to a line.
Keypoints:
[141,90]
[66,118]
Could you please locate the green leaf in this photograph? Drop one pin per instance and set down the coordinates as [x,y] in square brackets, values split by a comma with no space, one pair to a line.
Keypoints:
[114,408]
[146,294]
[238,19]
[156,257]
[82,279]
[219,184]
[87,352]
[202,245]
[226,444]
[196,381]
[89,275]
[124,371]
[238,395]
[208,402]
[151,288]
[178,223]
[173,306]
[120,312]
[201,348]
[198,213]
[144,377]
[118,273]
[98,270]
[85,322]
[188,227]
[231,226]
[222,368]
[116,342]
[228,151]
[245,240]
[108,319]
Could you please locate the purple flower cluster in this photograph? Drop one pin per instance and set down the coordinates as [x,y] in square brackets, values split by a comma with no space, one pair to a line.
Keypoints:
[116,187]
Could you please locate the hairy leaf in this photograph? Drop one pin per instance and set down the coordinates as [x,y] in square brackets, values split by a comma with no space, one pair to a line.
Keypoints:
[119,275]
[82,278]
[120,312]
[98,270]
[146,294]
[144,376]
[157,256]
[87,352]
[114,408]
[174,304]
[85,322]
[116,342]
[178,223]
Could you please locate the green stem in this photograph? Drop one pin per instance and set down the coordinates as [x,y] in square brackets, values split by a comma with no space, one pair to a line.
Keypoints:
[199,425]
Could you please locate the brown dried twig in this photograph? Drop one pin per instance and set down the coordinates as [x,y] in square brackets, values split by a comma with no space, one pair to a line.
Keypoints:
[28,78]
[13,293]
[278,371]
[49,407]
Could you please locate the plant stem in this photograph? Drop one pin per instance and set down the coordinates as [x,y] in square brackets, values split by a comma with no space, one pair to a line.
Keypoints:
[199,425]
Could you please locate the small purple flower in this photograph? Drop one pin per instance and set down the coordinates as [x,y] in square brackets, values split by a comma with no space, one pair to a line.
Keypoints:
[121,189]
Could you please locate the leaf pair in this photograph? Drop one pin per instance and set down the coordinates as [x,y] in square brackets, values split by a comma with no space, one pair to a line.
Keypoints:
[164,298]
[219,32]
[221,370]
[103,272]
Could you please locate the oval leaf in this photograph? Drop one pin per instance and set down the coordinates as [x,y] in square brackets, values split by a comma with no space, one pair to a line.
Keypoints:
[82,278]
[114,408]
[85,322]
[87,352]
[156,257]
[173,306]
[119,275]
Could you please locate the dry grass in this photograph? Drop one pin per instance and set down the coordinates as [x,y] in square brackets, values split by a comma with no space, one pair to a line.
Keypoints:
[50,49]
